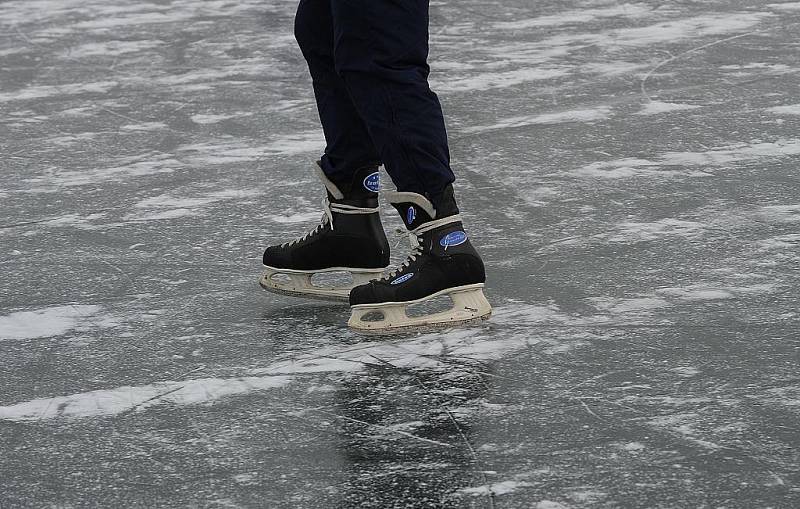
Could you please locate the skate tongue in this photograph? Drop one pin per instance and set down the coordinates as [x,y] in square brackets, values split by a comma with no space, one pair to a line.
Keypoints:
[365,184]
[414,209]
[361,190]
[334,193]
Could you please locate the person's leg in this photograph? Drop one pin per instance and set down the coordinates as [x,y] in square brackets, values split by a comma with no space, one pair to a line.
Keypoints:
[350,237]
[349,146]
[381,50]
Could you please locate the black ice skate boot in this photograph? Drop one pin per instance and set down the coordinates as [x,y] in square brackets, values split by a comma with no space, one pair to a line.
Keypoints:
[442,262]
[349,238]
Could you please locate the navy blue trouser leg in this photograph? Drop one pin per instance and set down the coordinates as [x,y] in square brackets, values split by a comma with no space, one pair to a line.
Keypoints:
[349,146]
[380,50]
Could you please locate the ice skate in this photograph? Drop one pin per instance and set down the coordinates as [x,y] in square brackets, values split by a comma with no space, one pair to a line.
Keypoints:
[349,242]
[442,263]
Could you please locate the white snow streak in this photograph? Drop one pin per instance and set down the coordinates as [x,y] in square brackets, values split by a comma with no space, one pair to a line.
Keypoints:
[122,399]
[585,115]
[427,351]
[722,156]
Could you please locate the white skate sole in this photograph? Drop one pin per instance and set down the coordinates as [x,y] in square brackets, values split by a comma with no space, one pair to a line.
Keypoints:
[298,283]
[469,305]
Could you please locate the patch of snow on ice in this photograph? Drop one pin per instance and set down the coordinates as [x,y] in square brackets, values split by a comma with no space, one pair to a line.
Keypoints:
[733,154]
[572,17]
[642,232]
[790,109]
[781,213]
[494,79]
[298,143]
[786,396]
[696,294]
[686,371]
[656,107]
[614,306]
[70,140]
[180,207]
[613,68]
[44,323]
[228,150]
[301,217]
[627,167]
[500,488]
[556,47]
[700,292]
[694,27]
[76,221]
[105,23]
[12,51]
[406,426]
[144,126]
[633,447]
[781,242]
[214,119]
[683,424]
[788,6]
[165,214]
[111,48]
[45,91]
[126,167]
[424,351]
[549,504]
[81,111]
[587,496]
[169,201]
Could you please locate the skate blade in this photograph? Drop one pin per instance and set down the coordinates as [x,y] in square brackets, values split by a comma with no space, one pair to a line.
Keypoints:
[299,283]
[469,306]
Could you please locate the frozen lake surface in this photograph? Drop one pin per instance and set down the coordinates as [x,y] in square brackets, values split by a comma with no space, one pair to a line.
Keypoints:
[628,170]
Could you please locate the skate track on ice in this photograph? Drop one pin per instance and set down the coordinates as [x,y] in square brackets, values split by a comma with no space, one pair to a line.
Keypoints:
[628,171]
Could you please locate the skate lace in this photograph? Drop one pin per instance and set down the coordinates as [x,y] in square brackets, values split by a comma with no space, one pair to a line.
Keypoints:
[415,239]
[327,218]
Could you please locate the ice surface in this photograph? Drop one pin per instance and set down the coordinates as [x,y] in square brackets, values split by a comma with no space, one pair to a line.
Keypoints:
[628,170]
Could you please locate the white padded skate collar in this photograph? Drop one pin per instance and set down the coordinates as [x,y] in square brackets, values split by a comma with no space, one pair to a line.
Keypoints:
[420,201]
[330,186]
[432,225]
[341,208]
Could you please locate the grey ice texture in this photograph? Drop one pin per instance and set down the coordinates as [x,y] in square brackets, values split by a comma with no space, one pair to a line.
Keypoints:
[628,170]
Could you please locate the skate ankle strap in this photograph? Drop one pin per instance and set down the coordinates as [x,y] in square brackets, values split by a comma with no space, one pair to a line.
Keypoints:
[436,223]
[341,208]
[329,209]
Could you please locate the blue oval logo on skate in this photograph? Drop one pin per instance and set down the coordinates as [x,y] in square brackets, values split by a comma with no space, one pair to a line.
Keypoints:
[402,279]
[373,182]
[411,215]
[453,239]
